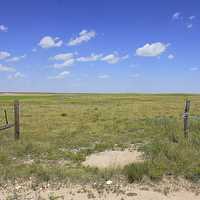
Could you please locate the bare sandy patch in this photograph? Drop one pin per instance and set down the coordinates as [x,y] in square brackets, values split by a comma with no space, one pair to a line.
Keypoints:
[113,159]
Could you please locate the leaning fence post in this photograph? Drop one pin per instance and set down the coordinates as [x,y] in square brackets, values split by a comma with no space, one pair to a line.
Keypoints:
[186,118]
[6,117]
[16,116]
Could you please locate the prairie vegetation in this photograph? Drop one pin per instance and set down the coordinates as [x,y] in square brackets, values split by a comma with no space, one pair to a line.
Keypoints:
[59,131]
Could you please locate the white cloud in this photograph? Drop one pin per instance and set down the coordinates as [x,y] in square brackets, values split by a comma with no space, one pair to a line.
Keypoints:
[66,63]
[104,76]
[67,58]
[194,69]
[171,56]
[4,55]
[49,42]
[192,17]
[61,75]
[151,50]
[176,16]
[4,68]
[3,28]
[63,57]
[111,59]
[189,26]
[17,75]
[84,36]
[114,58]
[16,58]
[92,57]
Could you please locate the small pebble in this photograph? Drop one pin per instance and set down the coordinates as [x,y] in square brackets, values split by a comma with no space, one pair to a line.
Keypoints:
[108,182]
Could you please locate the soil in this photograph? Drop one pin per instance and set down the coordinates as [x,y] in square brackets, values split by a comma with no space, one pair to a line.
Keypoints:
[166,190]
[113,159]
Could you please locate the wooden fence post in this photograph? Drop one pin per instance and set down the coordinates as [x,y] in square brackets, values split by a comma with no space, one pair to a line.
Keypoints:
[186,118]
[6,117]
[16,116]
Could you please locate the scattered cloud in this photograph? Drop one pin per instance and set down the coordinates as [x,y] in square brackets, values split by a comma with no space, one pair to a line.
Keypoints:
[3,28]
[110,58]
[189,26]
[194,69]
[4,68]
[176,16]
[69,59]
[61,75]
[114,58]
[192,17]
[66,63]
[66,58]
[16,58]
[17,75]
[49,42]
[104,76]
[84,36]
[4,55]
[152,50]
[186,20]
[63,57]
[171,56]
[91,58]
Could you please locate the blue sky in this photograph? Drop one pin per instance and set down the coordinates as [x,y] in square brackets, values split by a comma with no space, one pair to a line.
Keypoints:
[100,46]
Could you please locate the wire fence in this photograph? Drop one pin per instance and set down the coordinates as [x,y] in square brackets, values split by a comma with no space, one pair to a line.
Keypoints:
[9,117]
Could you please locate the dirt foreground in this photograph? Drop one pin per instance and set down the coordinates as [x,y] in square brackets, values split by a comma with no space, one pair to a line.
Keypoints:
[167,190]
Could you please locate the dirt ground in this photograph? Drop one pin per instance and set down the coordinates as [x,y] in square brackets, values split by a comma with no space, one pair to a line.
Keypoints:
[166,190]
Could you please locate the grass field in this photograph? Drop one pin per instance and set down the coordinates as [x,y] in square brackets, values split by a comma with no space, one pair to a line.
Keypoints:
[59,131]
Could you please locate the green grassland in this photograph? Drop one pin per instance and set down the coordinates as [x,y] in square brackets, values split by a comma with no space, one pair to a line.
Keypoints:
[58,131]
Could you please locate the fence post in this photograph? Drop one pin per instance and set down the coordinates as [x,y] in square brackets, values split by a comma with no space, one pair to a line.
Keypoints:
[6,117]
[16,116]
[186,118]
